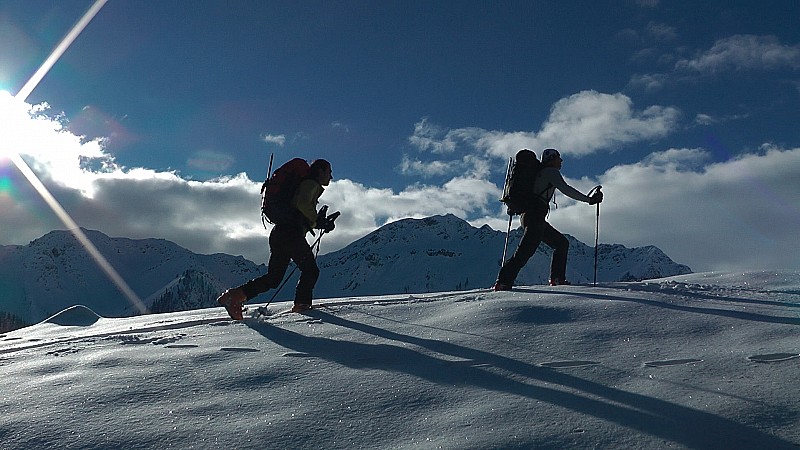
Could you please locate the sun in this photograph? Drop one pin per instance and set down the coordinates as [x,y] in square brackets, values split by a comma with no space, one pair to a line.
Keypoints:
[15,118]
[9,112]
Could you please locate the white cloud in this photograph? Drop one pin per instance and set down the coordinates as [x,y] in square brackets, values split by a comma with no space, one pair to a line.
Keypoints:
[426,138]
[581,124]
[424,169]
[590,121]
[704,119]
[712,216]
[278,139]
[733,54]
[220,215]
[707,119]
[732,215]
[744,53]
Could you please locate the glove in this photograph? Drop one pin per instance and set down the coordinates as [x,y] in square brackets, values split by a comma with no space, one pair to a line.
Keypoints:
[326,226]
[596,198]
[328,223]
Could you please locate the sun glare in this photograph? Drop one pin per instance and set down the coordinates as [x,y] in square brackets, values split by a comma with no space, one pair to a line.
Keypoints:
[12,141]
[10,109]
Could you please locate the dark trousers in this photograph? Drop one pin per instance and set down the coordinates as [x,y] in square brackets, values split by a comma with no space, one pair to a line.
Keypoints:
[287,243]
[536,230]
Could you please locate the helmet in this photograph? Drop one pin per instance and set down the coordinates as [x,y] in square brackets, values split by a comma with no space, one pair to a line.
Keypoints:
[549,155]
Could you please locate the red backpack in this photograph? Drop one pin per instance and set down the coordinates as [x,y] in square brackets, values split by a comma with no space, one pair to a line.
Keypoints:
[278,189]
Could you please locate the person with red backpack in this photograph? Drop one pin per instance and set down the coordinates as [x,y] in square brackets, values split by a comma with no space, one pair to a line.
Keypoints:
[293,218]
[540,185]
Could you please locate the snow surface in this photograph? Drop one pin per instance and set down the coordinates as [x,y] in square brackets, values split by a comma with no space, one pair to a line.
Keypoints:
[668,363]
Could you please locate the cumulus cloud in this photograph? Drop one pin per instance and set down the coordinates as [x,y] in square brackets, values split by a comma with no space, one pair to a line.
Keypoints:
[581,124]
[733,215]
[219,215]
[590,121]
[712,216]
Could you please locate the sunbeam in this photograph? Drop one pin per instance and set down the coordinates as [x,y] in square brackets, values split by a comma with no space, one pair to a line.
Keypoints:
[76,30]
[23,167]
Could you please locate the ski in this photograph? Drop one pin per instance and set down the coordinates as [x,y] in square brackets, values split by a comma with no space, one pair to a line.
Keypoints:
[266,313]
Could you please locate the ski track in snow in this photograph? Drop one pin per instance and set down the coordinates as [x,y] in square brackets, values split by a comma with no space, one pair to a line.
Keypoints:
[164,332]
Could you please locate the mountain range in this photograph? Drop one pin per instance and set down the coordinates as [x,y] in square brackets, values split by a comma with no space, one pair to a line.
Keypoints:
[438,253]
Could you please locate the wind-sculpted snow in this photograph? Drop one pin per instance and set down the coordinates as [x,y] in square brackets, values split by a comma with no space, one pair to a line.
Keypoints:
[74,316]
[681,362]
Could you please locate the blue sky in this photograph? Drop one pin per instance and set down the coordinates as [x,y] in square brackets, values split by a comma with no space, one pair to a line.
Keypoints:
[684,111]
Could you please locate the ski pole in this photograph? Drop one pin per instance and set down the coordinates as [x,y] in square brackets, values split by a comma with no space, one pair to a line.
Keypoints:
[506,190]
[263,188]
[596,233]
[505,247]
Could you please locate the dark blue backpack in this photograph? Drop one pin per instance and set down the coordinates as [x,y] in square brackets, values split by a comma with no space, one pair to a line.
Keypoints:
[518,190]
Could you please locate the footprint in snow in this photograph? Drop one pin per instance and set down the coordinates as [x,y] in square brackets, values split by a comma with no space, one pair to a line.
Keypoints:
[296,354]
[568,364]
[672,362]
[773,357]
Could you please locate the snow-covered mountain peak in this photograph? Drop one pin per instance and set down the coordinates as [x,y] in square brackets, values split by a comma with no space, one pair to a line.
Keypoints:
[432,254]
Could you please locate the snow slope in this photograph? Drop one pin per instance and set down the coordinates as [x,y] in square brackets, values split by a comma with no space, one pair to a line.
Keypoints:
[668,363]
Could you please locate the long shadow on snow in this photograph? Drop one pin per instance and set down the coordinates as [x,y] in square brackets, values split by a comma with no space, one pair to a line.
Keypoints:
[755,317]
[698,293]
[652,416]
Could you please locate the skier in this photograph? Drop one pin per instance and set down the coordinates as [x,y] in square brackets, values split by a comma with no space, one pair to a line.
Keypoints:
[536,229]
[288,242]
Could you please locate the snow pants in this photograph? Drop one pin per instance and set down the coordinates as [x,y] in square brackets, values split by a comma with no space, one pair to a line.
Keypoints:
[536,230]
[287,243]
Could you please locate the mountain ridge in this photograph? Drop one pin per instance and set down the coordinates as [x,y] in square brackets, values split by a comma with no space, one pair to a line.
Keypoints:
[437,253]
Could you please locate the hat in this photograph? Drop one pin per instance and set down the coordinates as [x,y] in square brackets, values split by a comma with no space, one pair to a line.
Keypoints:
[319,165]
[549,155]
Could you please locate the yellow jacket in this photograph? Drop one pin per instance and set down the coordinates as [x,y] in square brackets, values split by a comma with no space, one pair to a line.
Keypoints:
[306,198]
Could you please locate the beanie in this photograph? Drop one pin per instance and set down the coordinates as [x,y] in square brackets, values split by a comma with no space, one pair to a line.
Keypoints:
[549,155]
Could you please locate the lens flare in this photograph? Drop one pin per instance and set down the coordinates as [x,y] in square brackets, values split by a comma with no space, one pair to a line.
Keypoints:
[26,171]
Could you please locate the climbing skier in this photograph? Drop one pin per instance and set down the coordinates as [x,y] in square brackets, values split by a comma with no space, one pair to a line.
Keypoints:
[288,242]
[536,229]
